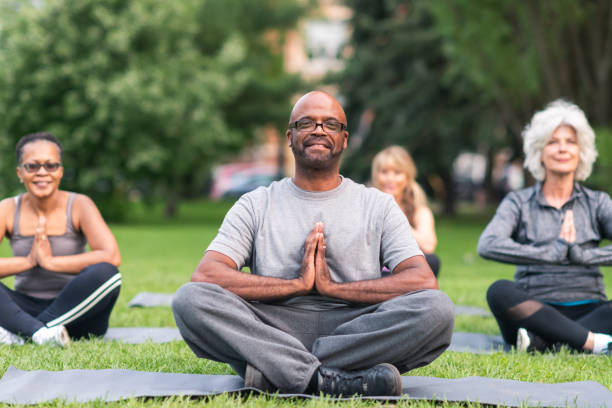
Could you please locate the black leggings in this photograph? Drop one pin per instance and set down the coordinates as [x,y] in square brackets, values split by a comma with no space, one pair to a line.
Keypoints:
[434,263]
[551,324]
[83,306]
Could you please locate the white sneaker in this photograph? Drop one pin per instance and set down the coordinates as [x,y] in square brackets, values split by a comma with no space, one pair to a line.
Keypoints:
[602,344]
[6,337]
[55,336]
[522,340]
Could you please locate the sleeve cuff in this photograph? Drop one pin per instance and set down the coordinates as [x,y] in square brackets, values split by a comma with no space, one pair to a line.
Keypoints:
[576,254]
[561,246]
[227,251]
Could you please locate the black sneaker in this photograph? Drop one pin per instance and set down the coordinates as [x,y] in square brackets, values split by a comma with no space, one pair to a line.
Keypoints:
[253,378]
[380,380]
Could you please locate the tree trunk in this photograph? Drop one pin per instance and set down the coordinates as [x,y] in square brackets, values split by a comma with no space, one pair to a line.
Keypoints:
[172,202]
[489,188]
[280,157]
[450,197]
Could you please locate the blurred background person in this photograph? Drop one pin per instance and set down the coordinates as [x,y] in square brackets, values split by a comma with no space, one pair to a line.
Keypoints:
[60,288]
[552,232]
[394,172]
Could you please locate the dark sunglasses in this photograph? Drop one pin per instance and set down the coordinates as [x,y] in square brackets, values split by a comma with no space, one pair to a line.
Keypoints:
[34,167]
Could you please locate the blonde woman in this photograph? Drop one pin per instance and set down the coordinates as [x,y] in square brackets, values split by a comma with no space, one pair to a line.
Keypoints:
[394,172]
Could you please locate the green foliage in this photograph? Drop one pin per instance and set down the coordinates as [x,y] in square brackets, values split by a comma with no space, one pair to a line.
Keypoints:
[398,72]
[144,94]
[601,177]
[522,55]
[499,62]
[446,76]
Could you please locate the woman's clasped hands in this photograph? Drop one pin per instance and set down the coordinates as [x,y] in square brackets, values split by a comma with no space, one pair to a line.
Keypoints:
[41,254]
[568,230]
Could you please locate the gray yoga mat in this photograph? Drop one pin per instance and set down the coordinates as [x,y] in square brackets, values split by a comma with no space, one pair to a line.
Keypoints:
[461,341]
[138,335]
[150,299]
[477,343]
[32,387]
[472,311]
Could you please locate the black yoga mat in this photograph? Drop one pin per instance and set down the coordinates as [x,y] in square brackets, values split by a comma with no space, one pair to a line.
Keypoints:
[32,387]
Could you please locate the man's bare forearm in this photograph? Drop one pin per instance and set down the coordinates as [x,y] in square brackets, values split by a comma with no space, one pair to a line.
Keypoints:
[245,285]
[375,290]
[255,287]
[411,275]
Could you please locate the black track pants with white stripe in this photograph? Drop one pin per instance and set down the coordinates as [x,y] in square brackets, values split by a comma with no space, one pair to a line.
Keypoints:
[83,306]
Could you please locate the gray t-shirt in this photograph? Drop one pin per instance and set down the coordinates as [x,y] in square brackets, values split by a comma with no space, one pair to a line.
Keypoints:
[364,229]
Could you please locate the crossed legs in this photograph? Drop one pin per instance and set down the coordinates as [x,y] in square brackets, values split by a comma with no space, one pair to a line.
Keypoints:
[83,306]
[288,343]
[513,309]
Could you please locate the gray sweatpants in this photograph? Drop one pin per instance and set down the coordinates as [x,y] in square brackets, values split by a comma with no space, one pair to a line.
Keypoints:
[288,343]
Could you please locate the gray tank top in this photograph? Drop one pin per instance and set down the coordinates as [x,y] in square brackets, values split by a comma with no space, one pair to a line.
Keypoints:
[40,282]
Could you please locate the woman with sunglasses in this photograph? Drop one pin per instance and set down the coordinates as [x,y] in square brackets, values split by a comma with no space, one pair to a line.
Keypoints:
[61,290]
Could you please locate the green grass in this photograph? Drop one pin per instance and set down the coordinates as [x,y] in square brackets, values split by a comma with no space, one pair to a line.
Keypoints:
[159,256]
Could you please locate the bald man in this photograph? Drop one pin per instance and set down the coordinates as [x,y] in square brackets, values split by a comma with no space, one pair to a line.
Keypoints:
[315,315]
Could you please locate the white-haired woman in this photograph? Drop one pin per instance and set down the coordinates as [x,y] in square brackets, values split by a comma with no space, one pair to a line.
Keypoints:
[394,172]
[552,232]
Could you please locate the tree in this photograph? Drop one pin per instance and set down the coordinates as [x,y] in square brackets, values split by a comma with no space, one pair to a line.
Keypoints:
[398,75]
[145,95]
[522,55]
[442,76]
[602,171]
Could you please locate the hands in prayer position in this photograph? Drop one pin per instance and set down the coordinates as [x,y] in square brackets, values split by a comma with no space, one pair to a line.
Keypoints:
[314,271]
[41,254]
[568,231]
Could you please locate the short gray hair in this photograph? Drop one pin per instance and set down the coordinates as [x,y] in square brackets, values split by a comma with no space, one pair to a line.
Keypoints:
[541,128]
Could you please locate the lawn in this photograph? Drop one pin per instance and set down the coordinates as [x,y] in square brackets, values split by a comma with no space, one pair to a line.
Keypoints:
[159,256]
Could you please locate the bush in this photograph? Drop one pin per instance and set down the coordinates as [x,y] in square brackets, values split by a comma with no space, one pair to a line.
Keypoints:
[601,178]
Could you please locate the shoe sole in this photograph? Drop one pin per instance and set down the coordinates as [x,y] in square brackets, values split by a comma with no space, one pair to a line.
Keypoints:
[522,340]
[397,387]
[64,338]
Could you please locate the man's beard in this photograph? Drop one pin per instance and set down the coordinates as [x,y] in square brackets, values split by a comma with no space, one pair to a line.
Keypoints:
[319,161]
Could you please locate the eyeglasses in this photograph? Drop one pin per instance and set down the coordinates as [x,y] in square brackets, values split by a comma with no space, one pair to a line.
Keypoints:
[34,167]
[309,125]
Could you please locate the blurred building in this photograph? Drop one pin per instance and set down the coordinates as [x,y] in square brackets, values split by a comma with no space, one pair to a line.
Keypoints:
[470,170]
[317,46]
